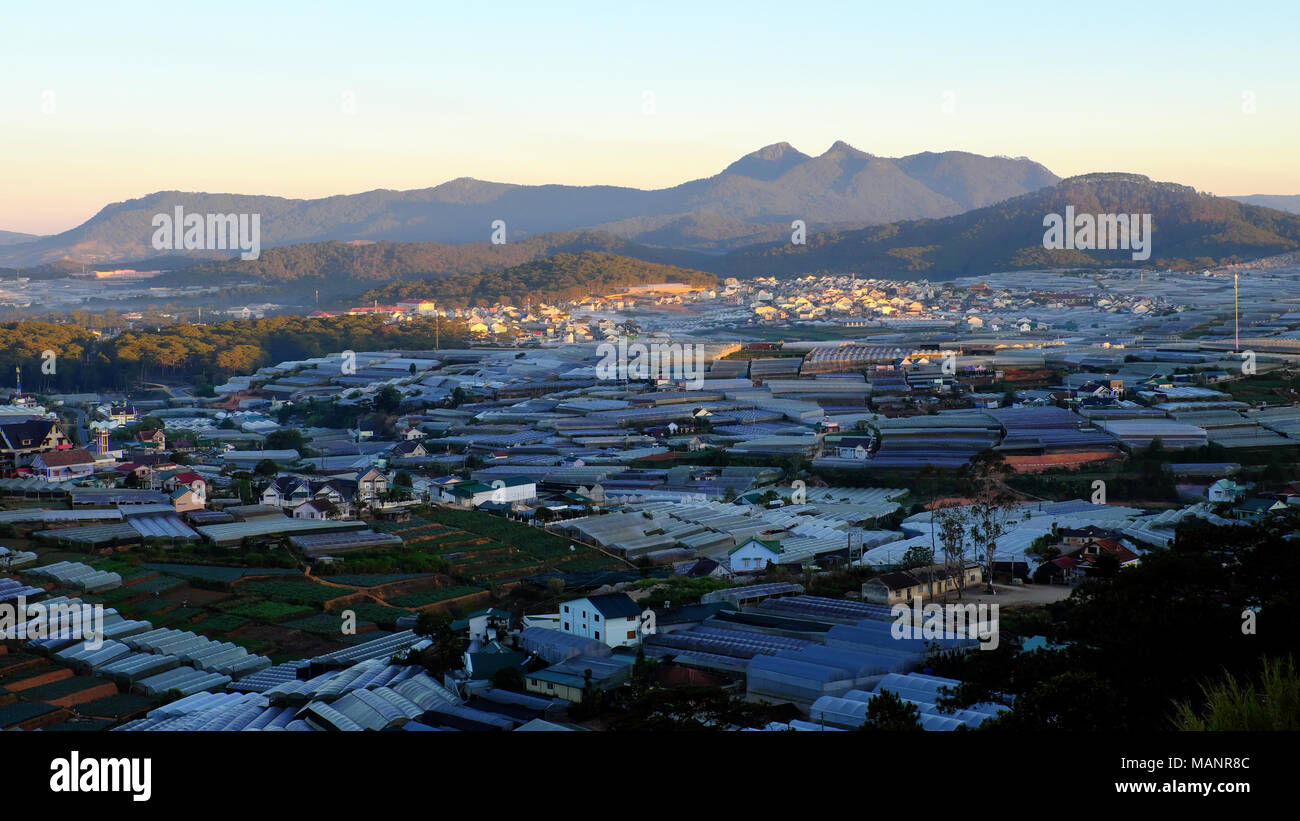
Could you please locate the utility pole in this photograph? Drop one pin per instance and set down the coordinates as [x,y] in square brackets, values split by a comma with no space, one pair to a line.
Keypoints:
[1236,318]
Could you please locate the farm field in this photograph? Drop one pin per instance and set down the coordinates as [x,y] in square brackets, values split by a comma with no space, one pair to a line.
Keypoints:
[286,612]
[480,546]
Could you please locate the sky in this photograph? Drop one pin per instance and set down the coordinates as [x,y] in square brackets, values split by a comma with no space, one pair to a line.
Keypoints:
[102,102]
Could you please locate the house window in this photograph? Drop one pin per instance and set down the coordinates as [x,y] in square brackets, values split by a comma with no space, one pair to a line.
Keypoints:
[631,634]
[596,617]
[566,608]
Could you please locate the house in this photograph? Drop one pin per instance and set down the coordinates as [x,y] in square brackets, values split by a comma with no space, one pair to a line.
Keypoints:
[483,660]
[122,414]
[61,465]
[185,499]
[482,624]
[896,587]
[569,679]
[612,618]
[1089,553]
[754,555]
[20,441]
[1097,390]
[291,491]
[321,509]
[139,471]
[702,568]
[1258,509]
[152,439]
[1225,490]
[506,491]
[1076,564]
[932,581]
[286,491]
[1291,493]
[1078,537]
[371,485]
[187,479]
[408,450]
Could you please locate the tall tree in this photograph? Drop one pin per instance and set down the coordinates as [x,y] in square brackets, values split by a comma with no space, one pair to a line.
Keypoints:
[952,522]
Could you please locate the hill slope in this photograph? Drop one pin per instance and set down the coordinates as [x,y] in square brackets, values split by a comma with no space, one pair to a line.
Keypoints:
[345,268]
[556,278]
[1190,229]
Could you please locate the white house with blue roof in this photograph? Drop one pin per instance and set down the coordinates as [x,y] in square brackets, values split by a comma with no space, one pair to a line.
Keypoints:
[611,618]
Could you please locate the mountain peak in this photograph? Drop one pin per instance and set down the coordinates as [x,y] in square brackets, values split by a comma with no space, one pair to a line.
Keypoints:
[774,151]
[842,149]
[767,163]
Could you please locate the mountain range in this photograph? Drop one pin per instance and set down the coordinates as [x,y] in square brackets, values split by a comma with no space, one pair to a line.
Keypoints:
[1282,202]
[1190,229]
[13,237]
[752,200]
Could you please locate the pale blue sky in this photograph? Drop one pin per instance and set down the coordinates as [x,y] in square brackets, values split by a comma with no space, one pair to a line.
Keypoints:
[103,102]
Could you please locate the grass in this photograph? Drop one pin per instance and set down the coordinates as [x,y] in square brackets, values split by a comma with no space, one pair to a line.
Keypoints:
[1243,705]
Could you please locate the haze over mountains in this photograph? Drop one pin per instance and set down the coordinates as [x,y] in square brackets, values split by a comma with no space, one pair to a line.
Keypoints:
[1282,202]
[752,200]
